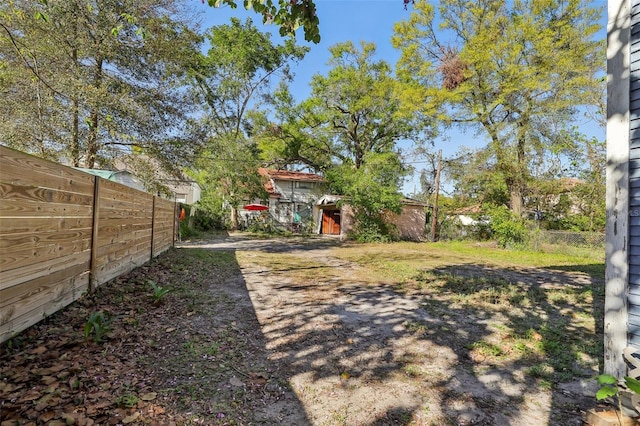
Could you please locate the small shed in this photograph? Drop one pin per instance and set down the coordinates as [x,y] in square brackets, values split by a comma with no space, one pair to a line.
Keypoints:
[335,218]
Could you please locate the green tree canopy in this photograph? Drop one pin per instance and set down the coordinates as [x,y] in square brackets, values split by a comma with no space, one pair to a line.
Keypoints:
[289,15]
[349,128]
[518,71]
[231,80]
[90,80]
[353,110]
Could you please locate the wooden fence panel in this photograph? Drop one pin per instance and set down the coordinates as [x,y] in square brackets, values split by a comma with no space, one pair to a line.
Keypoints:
[124,230]
[163,225]
[58,239]
[45,238]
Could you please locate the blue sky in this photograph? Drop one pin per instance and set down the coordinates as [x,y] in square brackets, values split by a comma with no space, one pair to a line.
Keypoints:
[360,20]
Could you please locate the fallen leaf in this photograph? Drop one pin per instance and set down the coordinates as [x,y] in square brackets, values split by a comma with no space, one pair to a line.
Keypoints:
[82,420]
[236,382]
[149,396]
[103,404]
[51,389]
[39,350]
[69,419]
[57,368]
[43,403]
[46,416]
[30,396]
[155,410]
[47,380]
[132,418]
[170,329]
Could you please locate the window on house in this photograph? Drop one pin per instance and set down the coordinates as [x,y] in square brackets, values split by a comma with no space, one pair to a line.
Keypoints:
[305,185]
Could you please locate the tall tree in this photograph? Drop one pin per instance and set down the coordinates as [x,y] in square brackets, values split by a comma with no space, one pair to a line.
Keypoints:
[350,128]
[587,164]
[231,80]
[89,80]
[516,70]
[352,111]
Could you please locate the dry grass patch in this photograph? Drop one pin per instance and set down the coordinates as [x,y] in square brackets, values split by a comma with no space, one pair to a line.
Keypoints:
[543,310]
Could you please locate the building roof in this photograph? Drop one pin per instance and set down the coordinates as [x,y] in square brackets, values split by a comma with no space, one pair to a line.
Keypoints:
[474,209]
[105,174]
[272,175]
[268,186]
[289,175]
[567,183]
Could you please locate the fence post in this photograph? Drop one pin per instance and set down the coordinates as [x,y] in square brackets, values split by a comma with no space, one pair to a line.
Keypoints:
[176,223]
[153,223]
[94,235]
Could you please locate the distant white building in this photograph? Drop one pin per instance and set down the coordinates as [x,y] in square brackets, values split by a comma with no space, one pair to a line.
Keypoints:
[186,191]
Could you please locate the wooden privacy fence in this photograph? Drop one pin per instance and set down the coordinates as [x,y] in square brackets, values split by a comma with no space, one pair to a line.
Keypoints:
[64,232]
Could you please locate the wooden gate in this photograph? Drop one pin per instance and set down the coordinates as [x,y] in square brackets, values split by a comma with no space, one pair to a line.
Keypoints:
[331,222]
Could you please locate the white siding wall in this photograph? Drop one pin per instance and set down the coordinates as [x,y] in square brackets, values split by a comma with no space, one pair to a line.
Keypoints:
[616,317]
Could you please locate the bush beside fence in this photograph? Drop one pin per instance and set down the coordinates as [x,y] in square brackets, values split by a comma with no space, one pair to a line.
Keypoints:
[64,232]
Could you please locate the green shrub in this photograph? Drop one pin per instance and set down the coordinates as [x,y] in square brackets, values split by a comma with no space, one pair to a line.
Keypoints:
[158,293]
[209,221]
[372,230]
[507,228]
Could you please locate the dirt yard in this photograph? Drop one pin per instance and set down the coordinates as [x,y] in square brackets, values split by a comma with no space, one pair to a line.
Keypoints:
[293,332]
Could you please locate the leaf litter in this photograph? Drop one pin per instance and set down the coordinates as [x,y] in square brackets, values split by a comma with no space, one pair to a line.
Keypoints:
[185,361]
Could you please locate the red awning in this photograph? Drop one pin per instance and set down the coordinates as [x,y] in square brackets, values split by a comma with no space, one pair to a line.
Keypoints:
[256,207]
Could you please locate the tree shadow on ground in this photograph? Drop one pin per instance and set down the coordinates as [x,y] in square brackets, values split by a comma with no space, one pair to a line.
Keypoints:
[474,345]
[196,357]
[218,367]
[550,327]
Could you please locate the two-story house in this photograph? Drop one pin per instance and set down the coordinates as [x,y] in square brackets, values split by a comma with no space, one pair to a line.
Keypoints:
[302,196]
[292,192]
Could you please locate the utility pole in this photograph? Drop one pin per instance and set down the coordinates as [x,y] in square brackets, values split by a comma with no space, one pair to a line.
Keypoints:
[434,217]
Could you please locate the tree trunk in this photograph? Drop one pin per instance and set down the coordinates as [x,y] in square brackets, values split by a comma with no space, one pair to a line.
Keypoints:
[434,218]
[234,218]
[75,106]
[518,178]
[516,201]
[92,138]
[75,143]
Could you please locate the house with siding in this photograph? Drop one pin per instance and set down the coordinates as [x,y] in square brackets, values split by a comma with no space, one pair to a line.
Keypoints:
[622,275]
[292,192]
[185,190]
[124,177]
